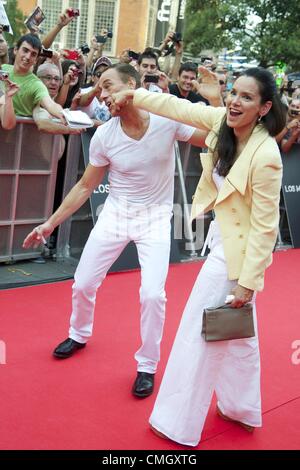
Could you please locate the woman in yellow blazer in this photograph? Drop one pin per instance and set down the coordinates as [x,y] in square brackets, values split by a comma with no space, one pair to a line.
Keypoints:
[241,182]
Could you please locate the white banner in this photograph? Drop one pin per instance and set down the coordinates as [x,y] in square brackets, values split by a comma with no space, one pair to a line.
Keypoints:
[4,19]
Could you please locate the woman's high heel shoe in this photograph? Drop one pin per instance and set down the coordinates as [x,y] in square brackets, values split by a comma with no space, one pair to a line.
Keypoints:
[247,427]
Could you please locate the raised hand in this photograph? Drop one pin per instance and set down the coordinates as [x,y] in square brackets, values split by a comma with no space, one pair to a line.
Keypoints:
[11,88]
[124,57]
[75,101]
[209,87]
[64,19]
[164,82]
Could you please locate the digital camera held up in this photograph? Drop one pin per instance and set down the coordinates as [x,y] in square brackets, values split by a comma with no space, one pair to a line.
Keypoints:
[3,75]
[148,78]
[85,49]
[175,39]
[73,12]
[103,39]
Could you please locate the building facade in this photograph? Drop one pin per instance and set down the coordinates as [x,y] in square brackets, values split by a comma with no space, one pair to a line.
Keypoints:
[132,22]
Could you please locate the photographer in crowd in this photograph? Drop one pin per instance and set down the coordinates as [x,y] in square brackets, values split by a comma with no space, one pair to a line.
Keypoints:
[72,81]
[49,74]
[96,47]
[291,133]
[152,78]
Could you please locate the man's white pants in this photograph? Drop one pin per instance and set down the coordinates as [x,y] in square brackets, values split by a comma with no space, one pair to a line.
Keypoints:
[197,368]
[111,234]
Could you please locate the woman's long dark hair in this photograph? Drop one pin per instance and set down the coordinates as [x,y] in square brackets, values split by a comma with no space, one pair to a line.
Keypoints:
[274,121]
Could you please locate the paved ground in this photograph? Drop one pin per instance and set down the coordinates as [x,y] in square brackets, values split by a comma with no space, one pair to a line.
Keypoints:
[24,273]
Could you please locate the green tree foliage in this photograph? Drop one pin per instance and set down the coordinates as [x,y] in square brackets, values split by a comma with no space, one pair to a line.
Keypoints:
[266,30]
[16,19]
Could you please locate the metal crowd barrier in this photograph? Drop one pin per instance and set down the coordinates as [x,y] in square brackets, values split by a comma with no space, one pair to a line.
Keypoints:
[28,165]
[28,170]
[74,232]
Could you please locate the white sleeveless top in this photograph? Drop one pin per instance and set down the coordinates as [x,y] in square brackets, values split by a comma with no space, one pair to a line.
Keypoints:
[213,230]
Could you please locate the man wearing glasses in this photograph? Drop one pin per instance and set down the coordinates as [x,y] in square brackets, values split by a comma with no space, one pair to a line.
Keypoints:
[49,74]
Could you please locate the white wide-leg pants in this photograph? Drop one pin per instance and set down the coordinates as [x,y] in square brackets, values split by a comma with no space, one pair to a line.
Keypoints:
[197,368]
[115,228]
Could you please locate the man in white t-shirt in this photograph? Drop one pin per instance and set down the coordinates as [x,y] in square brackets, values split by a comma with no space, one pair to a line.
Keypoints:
[137,148]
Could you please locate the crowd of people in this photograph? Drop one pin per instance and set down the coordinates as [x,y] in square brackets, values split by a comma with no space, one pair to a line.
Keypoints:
[140,111]
[72,80]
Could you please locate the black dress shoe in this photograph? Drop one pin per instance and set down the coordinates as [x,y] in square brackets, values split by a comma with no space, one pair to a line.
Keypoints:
[143,384]
[67,348]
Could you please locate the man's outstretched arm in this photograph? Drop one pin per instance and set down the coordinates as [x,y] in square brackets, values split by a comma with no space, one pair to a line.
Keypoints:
[91,178]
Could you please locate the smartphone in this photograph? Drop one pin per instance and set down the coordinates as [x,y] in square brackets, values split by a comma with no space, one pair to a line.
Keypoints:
[151,78]
[3,75]
[46,53]
[133,55]
[71,55]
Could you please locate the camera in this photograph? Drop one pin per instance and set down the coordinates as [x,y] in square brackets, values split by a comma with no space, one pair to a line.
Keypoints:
[73,12]
[3,75]
[71,54]
[177,37]
[133,55]
[151,78]
[5,28]
[76,72]
[46,53]
[85,49]
[103,39]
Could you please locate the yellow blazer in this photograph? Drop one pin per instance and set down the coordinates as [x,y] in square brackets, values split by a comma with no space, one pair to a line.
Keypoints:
[247,206]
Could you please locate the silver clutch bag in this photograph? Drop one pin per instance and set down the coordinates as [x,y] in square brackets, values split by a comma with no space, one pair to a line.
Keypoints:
[225,323]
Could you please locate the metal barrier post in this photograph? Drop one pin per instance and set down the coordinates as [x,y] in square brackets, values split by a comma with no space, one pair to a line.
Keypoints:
[186,215]
[70,179]
[28,166]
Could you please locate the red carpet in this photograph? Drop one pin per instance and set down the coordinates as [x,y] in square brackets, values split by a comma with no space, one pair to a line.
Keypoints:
[85,403]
